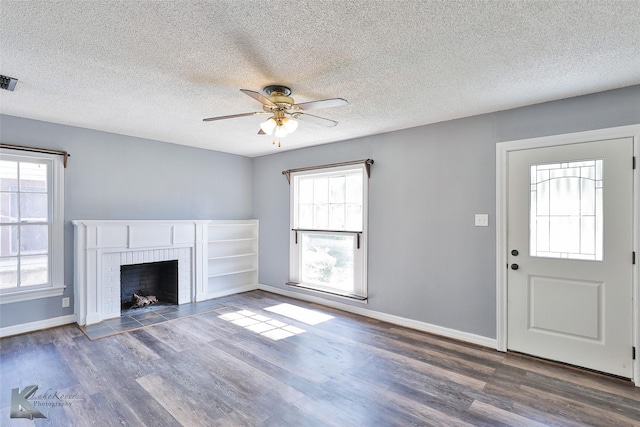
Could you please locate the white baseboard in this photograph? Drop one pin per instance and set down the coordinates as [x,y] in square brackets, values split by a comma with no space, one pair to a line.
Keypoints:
[35,326]
[390,318]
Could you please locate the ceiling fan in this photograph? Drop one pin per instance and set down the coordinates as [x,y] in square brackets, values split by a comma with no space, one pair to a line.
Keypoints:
[284,111]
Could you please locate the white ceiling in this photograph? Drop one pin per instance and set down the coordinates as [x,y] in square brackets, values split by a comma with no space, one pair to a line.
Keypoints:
[155,69]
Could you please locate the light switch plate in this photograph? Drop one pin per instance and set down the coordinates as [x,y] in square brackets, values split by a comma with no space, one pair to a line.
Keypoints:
[482,220]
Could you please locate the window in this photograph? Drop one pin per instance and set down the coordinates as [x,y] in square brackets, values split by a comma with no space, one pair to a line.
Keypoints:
[566,210]
[31,218]
[329,230]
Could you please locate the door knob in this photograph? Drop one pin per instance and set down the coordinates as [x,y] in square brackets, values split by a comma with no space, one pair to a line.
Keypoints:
[515,252]
[514,266]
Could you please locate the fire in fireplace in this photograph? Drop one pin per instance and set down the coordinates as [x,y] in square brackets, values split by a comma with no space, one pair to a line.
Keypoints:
[152,283]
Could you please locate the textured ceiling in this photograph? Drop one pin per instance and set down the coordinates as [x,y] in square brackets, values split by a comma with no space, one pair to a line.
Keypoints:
[155,69]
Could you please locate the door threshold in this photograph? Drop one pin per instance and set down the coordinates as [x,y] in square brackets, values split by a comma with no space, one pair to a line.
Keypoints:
[594,372]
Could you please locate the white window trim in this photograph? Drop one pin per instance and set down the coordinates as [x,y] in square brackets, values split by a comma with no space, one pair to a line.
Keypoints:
[56,248]
[294,249]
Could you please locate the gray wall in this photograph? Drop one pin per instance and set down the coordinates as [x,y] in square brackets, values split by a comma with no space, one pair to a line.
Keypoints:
[112,176]
[427,261]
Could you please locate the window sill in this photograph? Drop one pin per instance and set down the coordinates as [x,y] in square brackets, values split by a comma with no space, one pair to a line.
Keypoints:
[328,292]
[31,294]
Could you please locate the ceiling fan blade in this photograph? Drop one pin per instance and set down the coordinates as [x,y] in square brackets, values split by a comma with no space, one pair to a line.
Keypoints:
[324,103]
[315,119]
[232,116]
[258,97]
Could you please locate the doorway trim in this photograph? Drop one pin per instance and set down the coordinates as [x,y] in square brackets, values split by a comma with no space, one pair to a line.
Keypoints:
[502,152]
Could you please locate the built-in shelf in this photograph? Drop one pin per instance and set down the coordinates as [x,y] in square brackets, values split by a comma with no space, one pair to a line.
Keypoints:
[228,273]
[233,240]
[232,256]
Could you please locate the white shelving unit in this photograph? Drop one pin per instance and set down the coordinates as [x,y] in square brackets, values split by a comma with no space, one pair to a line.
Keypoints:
[232,257]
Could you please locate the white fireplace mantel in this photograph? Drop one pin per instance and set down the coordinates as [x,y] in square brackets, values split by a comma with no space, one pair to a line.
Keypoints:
[101,247]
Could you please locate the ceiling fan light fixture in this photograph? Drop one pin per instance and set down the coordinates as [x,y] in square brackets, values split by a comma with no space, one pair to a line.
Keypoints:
[281,131]
[280,127]
[268,126]
[289,124]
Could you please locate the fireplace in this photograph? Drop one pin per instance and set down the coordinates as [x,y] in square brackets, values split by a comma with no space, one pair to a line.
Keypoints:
[149,279]
[214,257]
[104,248]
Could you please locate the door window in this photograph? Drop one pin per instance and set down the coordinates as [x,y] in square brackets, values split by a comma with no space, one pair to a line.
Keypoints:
[566,210]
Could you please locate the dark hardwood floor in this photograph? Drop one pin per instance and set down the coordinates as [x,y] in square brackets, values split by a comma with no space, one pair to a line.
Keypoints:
[226,367]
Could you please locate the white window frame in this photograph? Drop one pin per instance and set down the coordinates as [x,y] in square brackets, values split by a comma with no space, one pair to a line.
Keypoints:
[55,181]
[360,254]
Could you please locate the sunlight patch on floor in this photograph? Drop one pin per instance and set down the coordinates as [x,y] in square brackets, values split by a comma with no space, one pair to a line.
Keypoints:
[262,325]
[310,317]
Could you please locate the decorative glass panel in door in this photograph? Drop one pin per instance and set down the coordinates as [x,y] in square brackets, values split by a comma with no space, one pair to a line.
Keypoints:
[566,210]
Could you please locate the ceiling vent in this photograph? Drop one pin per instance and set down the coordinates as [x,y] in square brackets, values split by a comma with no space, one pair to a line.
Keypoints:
[7,83]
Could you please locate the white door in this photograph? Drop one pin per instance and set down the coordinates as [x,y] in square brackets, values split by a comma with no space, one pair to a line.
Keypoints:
[570,218]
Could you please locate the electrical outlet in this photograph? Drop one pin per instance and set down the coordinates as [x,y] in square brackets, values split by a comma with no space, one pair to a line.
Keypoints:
[65,302]
[482,220]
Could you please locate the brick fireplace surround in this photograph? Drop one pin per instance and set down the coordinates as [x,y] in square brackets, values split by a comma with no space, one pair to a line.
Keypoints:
[102,247]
